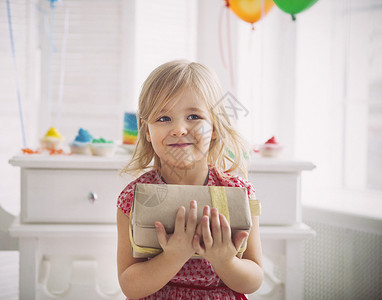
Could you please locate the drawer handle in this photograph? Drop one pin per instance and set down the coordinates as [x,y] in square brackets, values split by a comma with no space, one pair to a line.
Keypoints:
[92,197]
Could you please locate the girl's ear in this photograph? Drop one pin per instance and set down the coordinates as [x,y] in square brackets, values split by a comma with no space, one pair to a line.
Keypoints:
[214,134]
[148,137]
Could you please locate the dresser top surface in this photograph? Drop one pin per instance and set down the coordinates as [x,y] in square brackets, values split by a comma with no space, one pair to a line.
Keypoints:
[74,161]
[42,161]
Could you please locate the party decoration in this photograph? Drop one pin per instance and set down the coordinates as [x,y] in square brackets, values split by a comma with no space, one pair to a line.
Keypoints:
[52,50]
[229,66]
[52,139]
[50,58]
[102,147]
[58,152]
[294,7]
[16,74]
[271,148]
[53,3]
[31,151]
[250,11]
[80,144]
[130,129]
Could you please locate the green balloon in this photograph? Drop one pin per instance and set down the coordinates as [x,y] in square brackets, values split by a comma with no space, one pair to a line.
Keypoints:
[294,7]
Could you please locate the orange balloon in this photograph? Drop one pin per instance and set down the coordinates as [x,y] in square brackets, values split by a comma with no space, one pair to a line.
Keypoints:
[250,10]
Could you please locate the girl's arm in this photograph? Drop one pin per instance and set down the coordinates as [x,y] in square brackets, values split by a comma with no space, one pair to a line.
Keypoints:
[241,275]
[140,277]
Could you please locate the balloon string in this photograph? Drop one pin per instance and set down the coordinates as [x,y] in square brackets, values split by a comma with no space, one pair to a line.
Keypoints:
[229,44]
[50,66]
[16,74]
[221,49]
[63,63]
[250,70]
[250,40]
[262,15]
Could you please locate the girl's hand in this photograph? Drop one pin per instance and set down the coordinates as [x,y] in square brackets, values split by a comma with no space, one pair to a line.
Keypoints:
[218,246]
[206,212]
[178,246]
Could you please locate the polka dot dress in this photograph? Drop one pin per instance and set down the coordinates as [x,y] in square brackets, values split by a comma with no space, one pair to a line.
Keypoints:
[196,279]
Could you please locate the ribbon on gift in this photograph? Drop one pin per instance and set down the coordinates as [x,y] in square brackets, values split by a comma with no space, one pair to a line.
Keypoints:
[139,249]
[219,200]
[255,207]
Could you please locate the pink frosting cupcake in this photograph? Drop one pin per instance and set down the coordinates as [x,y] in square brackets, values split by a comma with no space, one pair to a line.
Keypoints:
[270,148]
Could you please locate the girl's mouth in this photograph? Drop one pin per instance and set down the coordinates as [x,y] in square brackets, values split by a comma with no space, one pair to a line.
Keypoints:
[181,145]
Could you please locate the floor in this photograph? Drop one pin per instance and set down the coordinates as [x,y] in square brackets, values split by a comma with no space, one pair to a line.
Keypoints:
[9,275]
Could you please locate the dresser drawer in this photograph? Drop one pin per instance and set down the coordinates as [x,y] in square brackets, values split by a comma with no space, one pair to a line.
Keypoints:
[279,194]
[65,195]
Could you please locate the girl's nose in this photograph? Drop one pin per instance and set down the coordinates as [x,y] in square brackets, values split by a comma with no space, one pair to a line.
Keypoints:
[179,129]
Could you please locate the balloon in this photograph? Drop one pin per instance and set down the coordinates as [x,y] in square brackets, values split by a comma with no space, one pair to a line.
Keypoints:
[53,3]
[249,10]
[294,7]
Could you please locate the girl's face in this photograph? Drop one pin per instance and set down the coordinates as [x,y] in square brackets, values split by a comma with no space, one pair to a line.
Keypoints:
[182,132]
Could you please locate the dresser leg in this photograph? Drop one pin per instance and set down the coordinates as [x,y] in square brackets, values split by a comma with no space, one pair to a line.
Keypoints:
[294,281]
[28,268]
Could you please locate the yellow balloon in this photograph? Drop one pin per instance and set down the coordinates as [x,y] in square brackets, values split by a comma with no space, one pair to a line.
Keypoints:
[250,10]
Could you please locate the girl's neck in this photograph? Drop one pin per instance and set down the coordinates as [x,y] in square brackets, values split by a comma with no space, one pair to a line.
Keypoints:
[192,176]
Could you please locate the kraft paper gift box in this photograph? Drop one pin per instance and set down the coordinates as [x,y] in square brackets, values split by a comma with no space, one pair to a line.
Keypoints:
[160,202]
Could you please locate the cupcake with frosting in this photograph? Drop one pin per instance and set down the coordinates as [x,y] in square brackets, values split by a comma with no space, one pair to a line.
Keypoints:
[80,144]
[270,148]
[102,147]
[52,139]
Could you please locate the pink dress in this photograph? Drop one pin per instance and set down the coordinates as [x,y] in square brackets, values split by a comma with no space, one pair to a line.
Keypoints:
[197,278]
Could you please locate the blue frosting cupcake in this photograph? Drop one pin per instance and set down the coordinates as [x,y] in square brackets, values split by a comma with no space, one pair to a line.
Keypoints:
[80,145]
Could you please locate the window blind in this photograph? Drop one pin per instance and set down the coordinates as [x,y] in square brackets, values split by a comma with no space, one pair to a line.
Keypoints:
[10,129]
[101,79]
[81,67]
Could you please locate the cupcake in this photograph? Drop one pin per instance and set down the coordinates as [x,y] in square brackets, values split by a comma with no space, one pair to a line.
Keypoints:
[52,139]
[80,145]
[270,148]
[102,147]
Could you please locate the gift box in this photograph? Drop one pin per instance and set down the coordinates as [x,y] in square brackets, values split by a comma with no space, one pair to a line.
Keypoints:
[160,202]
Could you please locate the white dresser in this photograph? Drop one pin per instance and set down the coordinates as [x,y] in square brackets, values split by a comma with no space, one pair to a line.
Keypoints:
[278,186]
[67,232]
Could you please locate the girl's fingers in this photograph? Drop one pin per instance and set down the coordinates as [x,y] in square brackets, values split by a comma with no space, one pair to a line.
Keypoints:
[161,234]
[206,232]
[215,226]
[198,230]
[192,218]
[196,245]
[206,212]
[226,230]
[180,220]
[239,239]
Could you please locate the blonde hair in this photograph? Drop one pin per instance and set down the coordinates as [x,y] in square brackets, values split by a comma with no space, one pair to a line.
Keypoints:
[167,82]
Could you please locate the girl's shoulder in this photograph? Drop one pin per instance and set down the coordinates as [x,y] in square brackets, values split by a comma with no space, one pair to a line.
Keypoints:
[220,178]
[125,198]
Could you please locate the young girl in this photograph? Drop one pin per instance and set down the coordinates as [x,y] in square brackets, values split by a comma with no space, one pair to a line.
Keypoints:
[185,131]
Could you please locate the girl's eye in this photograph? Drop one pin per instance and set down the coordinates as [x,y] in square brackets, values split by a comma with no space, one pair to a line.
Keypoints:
[193,117]
[164,119]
